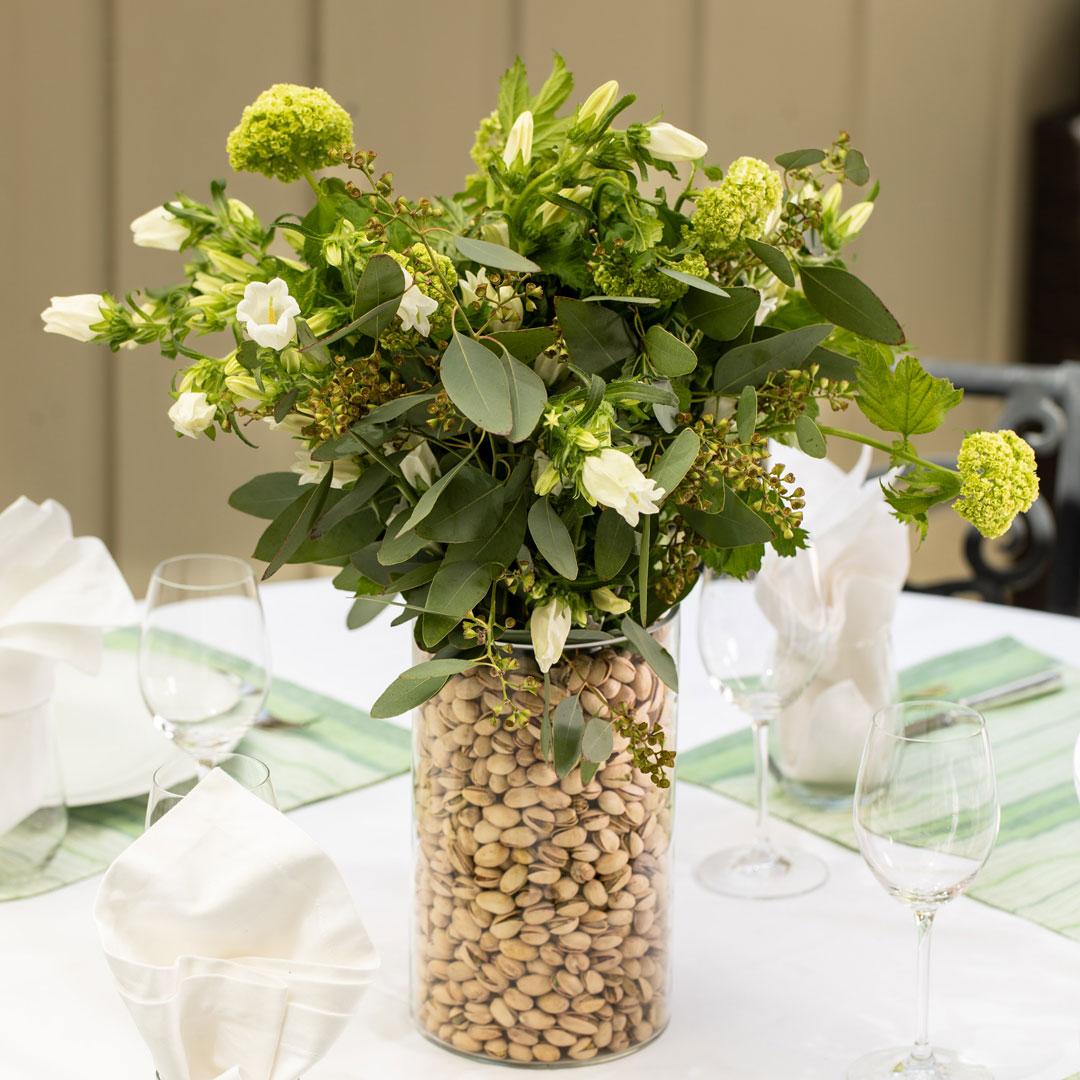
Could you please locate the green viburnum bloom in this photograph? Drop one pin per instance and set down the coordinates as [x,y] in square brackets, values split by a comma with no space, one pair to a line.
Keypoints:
[489,141]
[615,277]
[743,207]
[998,480]
[289,130]
[416,262]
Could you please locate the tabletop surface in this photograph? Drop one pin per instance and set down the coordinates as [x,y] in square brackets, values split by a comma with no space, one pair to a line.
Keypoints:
[777,990]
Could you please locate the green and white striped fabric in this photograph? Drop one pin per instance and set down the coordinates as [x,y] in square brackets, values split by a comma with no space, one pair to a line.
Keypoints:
[337,749]
[1034,871]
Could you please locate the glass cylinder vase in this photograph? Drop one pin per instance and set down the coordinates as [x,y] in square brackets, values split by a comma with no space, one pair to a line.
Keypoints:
[542,922]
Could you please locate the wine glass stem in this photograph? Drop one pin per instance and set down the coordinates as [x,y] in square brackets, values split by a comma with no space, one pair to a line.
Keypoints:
[760,724]
[924,923]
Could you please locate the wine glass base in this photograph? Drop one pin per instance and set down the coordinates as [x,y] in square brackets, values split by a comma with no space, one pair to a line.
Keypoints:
[890,1064]
[751,874]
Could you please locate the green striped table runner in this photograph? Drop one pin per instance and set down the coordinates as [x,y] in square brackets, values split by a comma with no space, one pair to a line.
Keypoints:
[343,749]
[1034,871]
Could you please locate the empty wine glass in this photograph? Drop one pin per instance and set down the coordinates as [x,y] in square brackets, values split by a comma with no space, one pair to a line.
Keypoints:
[926,817]
[203,652]
[175,779]
[762,640]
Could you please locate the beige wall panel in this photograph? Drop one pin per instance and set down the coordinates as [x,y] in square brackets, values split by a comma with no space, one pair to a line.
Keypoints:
[416,81]
[175,104]
[52,439]
[646,46]
[775,81]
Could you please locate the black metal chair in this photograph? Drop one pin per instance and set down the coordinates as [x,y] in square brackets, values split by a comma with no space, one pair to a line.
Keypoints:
[1042,549]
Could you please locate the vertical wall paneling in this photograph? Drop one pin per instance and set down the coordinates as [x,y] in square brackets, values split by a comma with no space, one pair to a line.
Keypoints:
[55,414]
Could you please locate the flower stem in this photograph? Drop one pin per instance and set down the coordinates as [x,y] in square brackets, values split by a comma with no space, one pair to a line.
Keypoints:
[896,453]
[309,176]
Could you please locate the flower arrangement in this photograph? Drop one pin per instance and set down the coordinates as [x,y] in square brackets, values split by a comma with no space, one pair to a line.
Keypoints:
[531,411]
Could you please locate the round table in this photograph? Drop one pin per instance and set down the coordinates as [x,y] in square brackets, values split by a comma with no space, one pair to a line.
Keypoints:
[777,990]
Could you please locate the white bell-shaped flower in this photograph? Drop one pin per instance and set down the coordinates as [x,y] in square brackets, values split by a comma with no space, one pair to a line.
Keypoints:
[269,313]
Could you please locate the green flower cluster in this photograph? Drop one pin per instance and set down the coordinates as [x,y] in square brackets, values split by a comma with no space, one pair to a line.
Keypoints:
[289,130]
[615,275]
[736,211]
[489,141]
[998,480]
[417,261]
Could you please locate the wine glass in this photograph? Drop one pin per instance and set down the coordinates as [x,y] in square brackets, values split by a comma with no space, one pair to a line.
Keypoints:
[926,817]
[762,640]
[176,778]
[204,658]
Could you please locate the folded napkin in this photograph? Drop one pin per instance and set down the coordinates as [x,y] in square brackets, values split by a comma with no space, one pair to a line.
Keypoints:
[56,593]
[233,938]
[863,559]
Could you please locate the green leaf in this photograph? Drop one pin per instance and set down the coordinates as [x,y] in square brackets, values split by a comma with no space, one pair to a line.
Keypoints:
[597,741]
[588,770]
[428,499]
[855,168]
[614,542]
[667,354]
[674,463]
[381,283]
[568,725]
[455,590]
[528,397]
[774,259]
[477,383]
[267,495]
[645,301]
[553,539]
[371,482]
[247,356]
[465,509]
[811,441]
[799,159]
[924,487]
[556,89]
[906,399]
[845,300]
[513,95]
[733,526]
[750,364]
[391,410]
[746,414]
[527,345]
[596,336]
[396,549]
[502,546]
[497,255]
[285,404]
[644,552]
[309,507]
[693,281]
[654,654]
[415,686]
[309,344]
[414,578]
[363,610]
[721,318]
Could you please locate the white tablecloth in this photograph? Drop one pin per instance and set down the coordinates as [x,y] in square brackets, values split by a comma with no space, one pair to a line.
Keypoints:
[779,990]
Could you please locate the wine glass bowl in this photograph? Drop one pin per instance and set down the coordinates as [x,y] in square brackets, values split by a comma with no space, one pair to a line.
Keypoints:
[203,652]
[176,779]
[762,640]
[926,816]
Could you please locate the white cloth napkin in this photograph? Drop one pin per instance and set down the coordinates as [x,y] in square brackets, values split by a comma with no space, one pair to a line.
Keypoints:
[863,559]
[234,939]
[56,593]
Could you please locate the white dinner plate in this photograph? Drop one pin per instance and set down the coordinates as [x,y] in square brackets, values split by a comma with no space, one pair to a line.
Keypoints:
[107,743]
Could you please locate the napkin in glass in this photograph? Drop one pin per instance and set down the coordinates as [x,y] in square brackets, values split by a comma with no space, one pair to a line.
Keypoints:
[863,558]
[57,592]
[233,938]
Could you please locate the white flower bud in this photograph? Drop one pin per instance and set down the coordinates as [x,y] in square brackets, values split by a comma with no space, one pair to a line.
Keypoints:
[519,141]
[607,601]
[73,316]
[159,228]
[420,468]
[598,102]
[549,627]
[852,221]
[192,413]
[669,143]
[612,479]
[830,201]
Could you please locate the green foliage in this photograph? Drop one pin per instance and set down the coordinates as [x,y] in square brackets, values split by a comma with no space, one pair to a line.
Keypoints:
[905,398]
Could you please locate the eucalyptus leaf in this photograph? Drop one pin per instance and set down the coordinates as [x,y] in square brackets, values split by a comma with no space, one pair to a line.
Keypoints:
[750,364]
[476,381]
[363,610]
[267,495]
[285,404]
[370,483]
[746,414]
[567,727]
[528,397]
[488,254]
[415,686]
[855,168]
[667,354]
[399,548]
[526,345]
[596,336]
[381,284]
[735,525]
[693,281]
[552,539]
[309,506]
[614,542]
[644,301]
[718,317]
[597,741]
[426,501]
[811,441]
[799,159]
[775,260]
[845,300]
[654,654]
[675,461]
[501,547]
[391,410]
[465,509]
[456,589]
